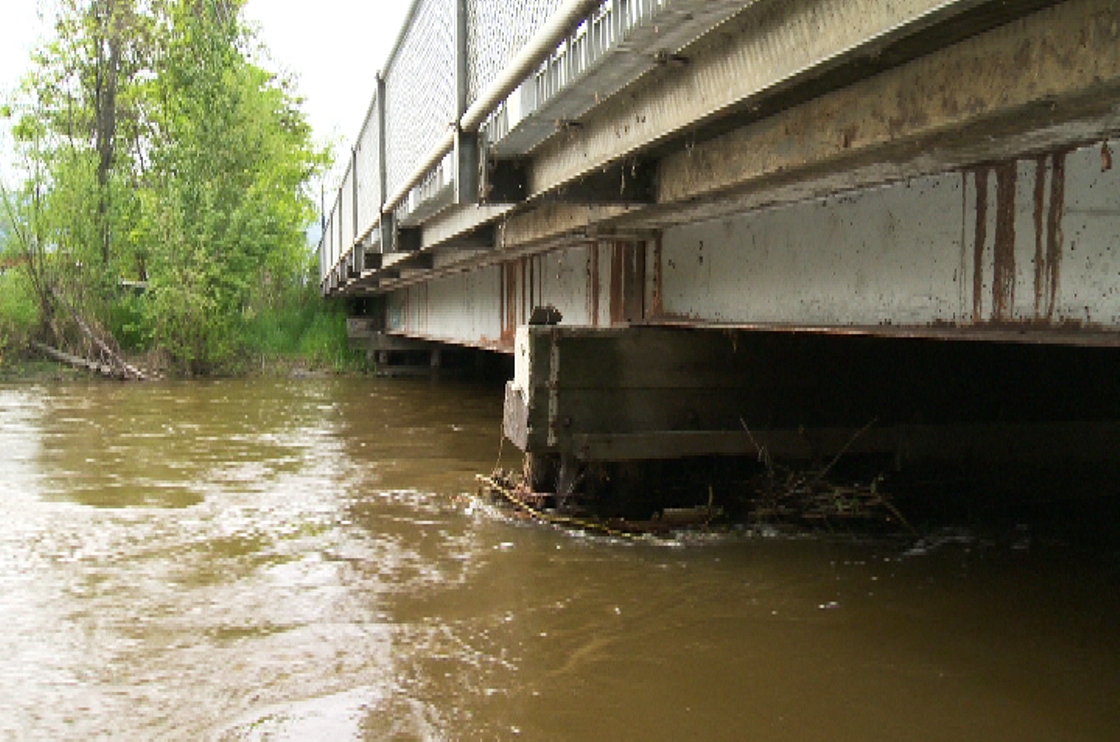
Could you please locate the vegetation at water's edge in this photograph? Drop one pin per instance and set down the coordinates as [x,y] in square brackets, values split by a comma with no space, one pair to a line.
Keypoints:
[18,312]
[165,196]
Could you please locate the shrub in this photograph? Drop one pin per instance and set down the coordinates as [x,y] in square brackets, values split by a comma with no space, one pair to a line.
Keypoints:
[19,312]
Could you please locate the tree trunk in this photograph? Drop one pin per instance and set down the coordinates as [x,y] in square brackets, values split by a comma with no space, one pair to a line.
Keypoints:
[109,42]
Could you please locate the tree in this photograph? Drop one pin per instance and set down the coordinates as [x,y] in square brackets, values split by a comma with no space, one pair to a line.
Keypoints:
[227,202]
[159,151]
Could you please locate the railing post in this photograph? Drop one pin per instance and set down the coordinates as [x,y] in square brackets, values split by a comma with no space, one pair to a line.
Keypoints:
[466,144]
[338,213]
[386,226]
[322,238]
[358,248]
[354,188]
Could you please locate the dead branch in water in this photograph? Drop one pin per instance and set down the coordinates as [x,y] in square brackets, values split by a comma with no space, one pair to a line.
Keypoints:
[121,367]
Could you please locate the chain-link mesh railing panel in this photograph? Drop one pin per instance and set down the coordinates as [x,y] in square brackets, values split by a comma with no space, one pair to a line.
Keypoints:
[346,211]
[420,90]
[496,31]
[330,249]
[367,161]
[324,266]
[616,45]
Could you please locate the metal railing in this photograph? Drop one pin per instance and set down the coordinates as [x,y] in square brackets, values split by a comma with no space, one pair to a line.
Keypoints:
[506,69]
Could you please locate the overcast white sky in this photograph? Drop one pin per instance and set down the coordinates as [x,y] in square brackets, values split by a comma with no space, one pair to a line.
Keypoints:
[333,47]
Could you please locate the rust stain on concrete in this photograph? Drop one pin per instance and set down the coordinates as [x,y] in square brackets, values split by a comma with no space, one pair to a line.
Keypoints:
[407,309]
[1003,279]
[526,287]
[508,304]
[1054,236]
[1039,209]
[657,302]
[978,246]
[618,250]
[628,279]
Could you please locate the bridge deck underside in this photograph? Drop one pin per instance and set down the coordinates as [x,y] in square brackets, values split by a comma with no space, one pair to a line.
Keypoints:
[656,393]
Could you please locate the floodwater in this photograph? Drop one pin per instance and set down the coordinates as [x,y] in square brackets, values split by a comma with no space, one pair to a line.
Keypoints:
[301,560]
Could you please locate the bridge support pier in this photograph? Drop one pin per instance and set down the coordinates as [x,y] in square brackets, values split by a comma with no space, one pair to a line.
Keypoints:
[588,396]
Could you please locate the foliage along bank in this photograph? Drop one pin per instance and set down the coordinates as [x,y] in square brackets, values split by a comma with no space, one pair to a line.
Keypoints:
[166,193]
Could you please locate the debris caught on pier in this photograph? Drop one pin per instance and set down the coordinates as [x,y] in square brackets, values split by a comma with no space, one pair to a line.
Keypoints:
[511,490]
[779,497]
[787,497]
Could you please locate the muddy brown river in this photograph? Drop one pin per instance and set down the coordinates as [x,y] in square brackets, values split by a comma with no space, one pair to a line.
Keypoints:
[302,560]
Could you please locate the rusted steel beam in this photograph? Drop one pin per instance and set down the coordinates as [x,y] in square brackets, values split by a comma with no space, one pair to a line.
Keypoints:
[1047,81]
[769,49]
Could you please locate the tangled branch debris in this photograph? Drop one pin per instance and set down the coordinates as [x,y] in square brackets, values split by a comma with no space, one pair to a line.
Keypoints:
[788,497]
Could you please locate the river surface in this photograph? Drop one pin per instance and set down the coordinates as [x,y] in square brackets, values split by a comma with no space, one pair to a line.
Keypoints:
[302,560]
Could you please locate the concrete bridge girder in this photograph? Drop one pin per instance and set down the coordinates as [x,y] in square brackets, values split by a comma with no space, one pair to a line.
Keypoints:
[770,57]
[597,284]
[1031,242]
[1023,250]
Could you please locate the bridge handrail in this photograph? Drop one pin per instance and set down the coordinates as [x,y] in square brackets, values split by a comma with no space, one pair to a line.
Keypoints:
[441,82]
[393,133]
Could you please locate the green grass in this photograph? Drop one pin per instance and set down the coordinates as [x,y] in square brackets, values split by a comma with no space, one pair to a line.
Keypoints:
[19,312]
[309,331]
[296,331]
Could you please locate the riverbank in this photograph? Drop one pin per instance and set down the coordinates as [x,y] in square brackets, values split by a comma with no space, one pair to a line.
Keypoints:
[35,370]
[31,367]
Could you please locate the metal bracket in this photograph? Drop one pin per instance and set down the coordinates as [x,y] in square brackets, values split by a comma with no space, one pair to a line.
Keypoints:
[466,168]
[387,224]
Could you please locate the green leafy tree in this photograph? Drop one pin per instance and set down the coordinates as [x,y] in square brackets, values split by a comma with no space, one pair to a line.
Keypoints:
[227,204]
[159,152]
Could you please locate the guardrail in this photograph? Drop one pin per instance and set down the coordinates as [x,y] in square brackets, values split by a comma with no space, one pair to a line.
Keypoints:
[469,80]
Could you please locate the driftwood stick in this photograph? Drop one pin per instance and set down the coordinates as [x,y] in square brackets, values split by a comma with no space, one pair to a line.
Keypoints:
[127,370]
[844,450]
[73,360]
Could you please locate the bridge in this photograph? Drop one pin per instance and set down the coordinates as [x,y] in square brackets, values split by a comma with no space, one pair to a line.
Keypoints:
[715,227]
